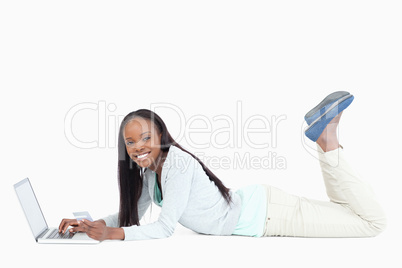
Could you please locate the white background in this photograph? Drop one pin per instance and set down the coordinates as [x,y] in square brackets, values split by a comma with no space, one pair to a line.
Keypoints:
[276,57]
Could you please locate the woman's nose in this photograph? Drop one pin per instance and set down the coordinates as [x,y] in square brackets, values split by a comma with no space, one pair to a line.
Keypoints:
[135,149]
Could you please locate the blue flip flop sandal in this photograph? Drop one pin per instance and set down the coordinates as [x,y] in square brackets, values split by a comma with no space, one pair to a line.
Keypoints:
[320,116]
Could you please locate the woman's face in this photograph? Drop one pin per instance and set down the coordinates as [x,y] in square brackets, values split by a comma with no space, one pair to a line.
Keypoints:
[142,142]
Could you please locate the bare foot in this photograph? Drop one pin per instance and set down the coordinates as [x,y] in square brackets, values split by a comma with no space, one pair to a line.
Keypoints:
[328,139]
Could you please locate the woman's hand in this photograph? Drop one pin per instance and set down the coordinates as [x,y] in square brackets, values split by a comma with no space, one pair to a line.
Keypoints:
[96,230]
[99,231]
[65,223]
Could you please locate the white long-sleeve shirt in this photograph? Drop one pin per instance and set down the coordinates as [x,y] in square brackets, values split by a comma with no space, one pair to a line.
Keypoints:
[189,197]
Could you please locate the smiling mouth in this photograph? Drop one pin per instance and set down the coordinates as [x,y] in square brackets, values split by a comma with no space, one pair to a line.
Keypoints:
[142,156]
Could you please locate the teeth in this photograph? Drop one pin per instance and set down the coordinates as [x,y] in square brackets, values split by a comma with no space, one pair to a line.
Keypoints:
[142,156]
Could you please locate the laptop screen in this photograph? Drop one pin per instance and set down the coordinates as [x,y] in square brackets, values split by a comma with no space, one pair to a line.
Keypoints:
[31,207]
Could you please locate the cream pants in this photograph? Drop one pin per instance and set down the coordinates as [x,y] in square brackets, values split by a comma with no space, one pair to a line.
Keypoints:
[351,212]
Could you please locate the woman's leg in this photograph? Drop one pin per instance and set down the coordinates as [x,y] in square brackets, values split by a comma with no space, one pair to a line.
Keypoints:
[352,212]
[328,141]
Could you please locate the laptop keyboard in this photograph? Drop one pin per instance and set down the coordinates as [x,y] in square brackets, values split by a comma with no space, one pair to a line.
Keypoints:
[56,235]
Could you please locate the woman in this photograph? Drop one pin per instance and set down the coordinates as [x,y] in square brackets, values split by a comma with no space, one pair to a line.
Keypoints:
[152,167]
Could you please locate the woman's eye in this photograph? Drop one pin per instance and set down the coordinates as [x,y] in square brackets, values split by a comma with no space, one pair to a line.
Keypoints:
[129,143]
[146,138]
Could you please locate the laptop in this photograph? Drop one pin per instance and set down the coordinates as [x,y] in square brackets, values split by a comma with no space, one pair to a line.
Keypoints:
[37,222]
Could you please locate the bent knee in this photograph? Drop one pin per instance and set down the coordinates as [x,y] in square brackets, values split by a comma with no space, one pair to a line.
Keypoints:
[378,226]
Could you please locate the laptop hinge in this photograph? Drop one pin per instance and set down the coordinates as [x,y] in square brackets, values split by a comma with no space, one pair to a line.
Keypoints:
[42,234]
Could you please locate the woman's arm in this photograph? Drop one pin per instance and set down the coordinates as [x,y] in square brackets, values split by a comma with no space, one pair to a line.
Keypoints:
[176,193]
[99,231]
[143,205]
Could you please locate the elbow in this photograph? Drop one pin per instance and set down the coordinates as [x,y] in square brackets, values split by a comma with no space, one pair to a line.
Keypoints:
[168,230]
[168,233]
